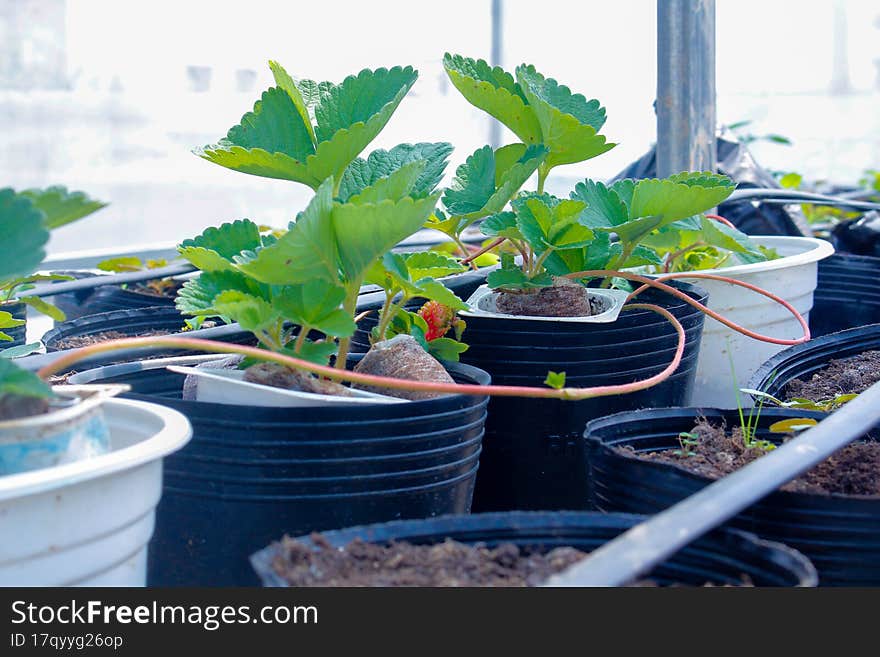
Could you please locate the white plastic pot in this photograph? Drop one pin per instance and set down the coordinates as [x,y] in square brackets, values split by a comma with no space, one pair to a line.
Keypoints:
[73,429]
[87,523]
[482,304]
[229,387]
[793,278]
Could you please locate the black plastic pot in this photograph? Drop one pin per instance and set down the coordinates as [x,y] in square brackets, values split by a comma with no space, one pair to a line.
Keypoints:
[803,360]
[17,333]
[129,322]
[839,534]
[847,295]
[108,298]
[533,448]
[72,304]
[721,557]
[270,471]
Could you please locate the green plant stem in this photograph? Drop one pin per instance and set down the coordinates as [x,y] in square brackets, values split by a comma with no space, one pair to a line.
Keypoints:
[465,252]
[542,178]
[300,338]
[535,268]
[672,257]
[385,315]
[349,305]
[618,264]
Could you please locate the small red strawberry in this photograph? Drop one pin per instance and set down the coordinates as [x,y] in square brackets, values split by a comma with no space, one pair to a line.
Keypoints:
[438,317]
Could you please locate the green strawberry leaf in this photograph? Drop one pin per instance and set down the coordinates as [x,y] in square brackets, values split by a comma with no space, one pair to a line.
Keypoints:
[604,207]
[21,350]
[718,234]
[307,251]
[44,307]
[393,187]
[60,206]
[252,313]
[16,381]
[363,173]
[365,231]
[276,141]
[494,91]
[197,295]
[423,264]
[361,98]
[435,291]
[446,349]
[473,184]
[502,224]
[318,352]
[555,380]
[569,123]
[516,279]
[316,304]
[23,235]
[634,230]
[487,180]
[217,247]
[680,196]
[284,81]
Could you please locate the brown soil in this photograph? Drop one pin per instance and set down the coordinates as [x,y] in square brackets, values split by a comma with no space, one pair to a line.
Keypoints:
[13,407]
[853,470]
[402,564]
[75,342]
[402,357]
[840,377]
[447,564]
[278,376]
[565,299]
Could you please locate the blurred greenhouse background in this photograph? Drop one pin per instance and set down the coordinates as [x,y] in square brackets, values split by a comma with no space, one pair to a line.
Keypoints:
[110,96]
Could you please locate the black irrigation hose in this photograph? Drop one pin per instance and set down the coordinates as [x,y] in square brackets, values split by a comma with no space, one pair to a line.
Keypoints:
[100,280]
[651,542]
[786,196]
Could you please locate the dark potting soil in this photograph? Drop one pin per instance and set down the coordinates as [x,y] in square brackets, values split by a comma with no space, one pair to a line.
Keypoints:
[77,341]
[841,377]
[279,376]
[447,564]
[565,299]
[853,470]
[14,407]
[402,564]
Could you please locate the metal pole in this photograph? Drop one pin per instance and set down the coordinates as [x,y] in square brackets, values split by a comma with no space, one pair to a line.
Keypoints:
[638,550]
[496,59]
[685,86]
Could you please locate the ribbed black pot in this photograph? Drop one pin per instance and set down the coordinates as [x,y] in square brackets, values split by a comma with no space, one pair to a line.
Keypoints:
[72,304]
[840,534]
[533,448]
[803,360]
[723,557]
[17,333]
[108,298]
[130,322]
[847,295]
[270,471]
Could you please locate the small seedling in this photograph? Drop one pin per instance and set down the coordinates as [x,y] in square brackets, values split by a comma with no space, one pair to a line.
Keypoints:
[687,440]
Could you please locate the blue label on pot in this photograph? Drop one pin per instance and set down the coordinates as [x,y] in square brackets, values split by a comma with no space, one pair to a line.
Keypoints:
[70,443]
